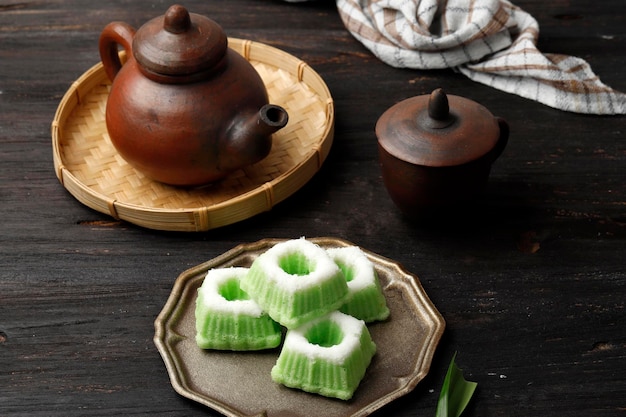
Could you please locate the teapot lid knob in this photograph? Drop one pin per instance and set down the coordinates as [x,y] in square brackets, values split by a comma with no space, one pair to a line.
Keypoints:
[176,19]
[439,110]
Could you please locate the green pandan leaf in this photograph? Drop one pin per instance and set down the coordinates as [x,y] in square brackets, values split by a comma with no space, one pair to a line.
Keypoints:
[456,392]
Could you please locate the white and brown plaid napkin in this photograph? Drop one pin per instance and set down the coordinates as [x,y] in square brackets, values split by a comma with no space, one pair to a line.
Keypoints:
[490,41]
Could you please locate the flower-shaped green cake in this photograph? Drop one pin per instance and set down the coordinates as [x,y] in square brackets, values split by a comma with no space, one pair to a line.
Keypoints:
[327,356]
[296,281]
[226,317]
[366,300]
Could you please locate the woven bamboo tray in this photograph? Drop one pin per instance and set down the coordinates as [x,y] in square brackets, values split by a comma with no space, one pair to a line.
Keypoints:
[90,168]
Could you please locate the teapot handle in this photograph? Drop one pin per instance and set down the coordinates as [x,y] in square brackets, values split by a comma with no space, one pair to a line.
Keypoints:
[114,34]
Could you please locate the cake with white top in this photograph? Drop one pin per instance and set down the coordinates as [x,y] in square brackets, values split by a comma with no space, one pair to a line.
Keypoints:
[327,356]
[228,319]
[366,300]
[296,281]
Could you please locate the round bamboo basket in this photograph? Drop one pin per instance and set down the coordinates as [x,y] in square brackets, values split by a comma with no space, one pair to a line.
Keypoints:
[90,168]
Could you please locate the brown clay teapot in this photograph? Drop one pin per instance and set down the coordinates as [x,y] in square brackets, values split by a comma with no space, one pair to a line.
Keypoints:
[184,108]
[437,150]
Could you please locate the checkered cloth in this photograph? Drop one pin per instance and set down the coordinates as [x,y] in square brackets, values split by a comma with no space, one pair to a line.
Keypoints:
[490,41]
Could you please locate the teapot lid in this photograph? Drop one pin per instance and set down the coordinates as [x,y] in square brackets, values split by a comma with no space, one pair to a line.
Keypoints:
[179,43]
[437,130]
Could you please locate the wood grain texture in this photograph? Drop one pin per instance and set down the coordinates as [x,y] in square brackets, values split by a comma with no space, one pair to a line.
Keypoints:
[530,280]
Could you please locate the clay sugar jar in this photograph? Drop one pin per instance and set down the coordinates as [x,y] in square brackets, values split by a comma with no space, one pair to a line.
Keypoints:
[436,151]
[184,108]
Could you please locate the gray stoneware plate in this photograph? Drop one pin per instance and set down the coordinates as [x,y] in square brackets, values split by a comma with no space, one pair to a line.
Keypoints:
[239,384]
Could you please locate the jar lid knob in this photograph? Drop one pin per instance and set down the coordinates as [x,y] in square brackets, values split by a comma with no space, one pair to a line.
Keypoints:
[439,110]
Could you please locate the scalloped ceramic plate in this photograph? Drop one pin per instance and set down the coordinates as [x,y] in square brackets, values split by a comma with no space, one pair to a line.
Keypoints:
[239,384]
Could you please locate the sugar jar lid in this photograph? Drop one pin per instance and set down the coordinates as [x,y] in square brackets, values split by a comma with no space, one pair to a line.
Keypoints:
[437,130]
[179,43]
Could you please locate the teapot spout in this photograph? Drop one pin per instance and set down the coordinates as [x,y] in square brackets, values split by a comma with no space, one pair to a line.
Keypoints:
[270,119]
[250,138]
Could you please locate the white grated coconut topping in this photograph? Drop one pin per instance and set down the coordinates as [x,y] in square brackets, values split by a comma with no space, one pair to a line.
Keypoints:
[216,302]
[352,328]
[354,258]
[323,266]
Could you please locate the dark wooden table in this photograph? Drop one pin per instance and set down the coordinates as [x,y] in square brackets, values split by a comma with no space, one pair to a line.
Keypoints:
[530,281]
